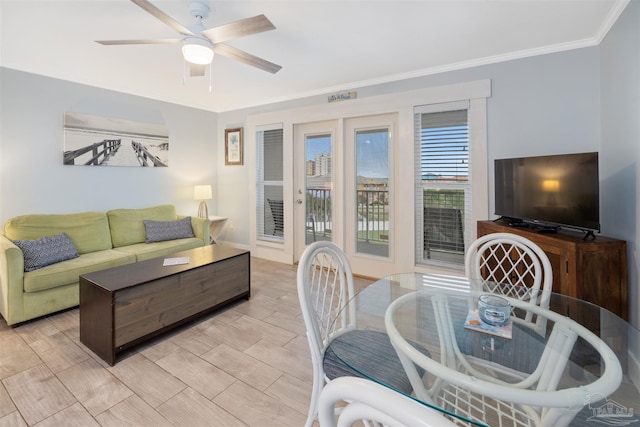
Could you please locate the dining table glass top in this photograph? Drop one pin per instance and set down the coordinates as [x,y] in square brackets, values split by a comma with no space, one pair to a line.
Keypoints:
[572,363]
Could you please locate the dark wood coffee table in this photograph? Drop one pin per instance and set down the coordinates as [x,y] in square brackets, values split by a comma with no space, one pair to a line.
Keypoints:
[124,306]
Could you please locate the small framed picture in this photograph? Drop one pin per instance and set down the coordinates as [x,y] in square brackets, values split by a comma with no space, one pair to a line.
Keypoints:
[233,146]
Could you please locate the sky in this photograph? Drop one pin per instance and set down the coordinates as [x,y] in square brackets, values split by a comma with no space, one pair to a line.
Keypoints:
[372,150]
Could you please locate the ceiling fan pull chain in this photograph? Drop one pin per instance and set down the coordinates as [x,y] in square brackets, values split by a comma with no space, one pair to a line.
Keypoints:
[209,77]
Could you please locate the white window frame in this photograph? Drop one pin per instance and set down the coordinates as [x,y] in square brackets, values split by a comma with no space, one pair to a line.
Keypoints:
[476,201]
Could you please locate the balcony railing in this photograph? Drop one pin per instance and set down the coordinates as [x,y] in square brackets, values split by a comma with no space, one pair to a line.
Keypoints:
[443,220]
[373,215]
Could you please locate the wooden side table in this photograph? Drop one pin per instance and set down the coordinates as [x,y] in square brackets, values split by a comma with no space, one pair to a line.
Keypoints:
[216,225]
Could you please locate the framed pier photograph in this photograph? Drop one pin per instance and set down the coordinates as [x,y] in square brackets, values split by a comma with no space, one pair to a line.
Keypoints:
[105,141]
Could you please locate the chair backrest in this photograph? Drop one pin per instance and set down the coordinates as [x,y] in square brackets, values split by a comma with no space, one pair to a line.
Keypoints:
[458,383]
[277,213]
[374,404]
[443,229]
[325,284]
[511,265]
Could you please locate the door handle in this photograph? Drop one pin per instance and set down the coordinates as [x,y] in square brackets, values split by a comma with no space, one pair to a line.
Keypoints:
[299,201]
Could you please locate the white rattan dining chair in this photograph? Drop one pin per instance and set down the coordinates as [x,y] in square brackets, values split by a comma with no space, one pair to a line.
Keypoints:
[482,392]
[514,266]
[374,405]
[325,285]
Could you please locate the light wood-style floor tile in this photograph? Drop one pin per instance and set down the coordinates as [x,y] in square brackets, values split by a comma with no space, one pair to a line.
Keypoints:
[230,335]
[281,304]
[292,392]
[243,366]
[147,380]
[38,394]
[268,332]
[299,345]
[291,323]
[34,331]
[256,408]
[73,416]
[195,342]
[132,412]
[12,420]
[67,322]
[16,356]
[282,359]
[255,309]
[225,315]
[190,409]
[6,405]
[58,351]
[197,373]
[94,386]
[158,348]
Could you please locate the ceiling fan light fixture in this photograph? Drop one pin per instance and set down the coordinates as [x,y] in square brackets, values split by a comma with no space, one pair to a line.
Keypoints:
[197,51]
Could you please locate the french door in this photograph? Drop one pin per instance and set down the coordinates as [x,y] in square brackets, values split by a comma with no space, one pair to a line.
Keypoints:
[369,183]
[318,214]
[344,176]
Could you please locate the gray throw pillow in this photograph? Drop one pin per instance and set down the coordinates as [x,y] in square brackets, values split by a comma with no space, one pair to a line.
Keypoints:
[159,231]
[46,251]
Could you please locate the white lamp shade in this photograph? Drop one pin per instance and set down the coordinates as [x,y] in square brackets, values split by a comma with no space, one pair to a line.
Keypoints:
[202,192]
[197,51]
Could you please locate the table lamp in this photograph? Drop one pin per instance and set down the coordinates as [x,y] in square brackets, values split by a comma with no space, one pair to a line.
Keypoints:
[202,193]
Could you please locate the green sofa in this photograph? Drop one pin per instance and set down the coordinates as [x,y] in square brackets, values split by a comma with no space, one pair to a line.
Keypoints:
[102,240]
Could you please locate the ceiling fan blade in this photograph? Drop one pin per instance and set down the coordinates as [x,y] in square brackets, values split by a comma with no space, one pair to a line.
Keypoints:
[197,70]
[163,17]
[241,28]
[120,42]
[247,58]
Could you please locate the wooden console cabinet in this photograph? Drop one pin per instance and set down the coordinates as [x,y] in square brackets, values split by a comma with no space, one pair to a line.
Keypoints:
[592,270]
[123,306]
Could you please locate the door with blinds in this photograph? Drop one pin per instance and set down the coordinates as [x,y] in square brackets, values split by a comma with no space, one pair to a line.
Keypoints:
[443,184]
[270,200]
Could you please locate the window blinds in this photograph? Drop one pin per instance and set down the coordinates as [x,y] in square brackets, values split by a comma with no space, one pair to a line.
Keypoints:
[444,142]
[270,213]
[443,190]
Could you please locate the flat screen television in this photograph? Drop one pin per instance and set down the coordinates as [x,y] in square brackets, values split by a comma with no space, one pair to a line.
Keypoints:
[548,192]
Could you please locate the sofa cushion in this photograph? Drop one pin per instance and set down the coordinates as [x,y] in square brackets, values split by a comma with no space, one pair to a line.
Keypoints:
[67,272]
[145,251]
[127,227]
[89,231]
[159,231]
[46,251]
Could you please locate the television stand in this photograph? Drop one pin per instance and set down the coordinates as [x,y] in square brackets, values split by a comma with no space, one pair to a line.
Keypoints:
[591,270]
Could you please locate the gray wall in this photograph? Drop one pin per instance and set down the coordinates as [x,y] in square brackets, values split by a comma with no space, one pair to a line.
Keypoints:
[34,180]
[620,153]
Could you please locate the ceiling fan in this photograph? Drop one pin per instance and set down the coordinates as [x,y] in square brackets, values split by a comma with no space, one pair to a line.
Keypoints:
[199,43]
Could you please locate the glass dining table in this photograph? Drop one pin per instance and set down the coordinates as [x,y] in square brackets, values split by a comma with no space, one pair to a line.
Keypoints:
[572,363]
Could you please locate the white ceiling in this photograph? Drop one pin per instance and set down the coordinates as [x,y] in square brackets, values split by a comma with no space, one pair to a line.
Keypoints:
[323,46]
